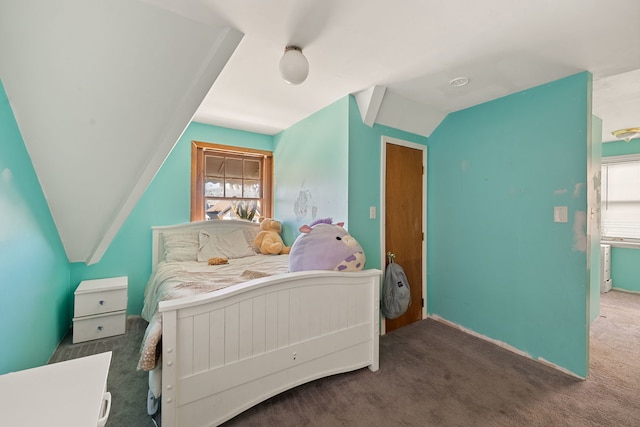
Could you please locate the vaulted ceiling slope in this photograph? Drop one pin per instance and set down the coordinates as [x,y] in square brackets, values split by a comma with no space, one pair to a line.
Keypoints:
[101,91]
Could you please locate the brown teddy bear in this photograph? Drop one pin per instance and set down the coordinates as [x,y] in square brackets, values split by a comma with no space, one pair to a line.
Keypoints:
[268,240]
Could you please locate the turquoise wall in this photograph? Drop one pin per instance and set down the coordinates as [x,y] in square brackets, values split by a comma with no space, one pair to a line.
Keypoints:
[621,148]
[166,201]
[625,273]
[497,262]
[311,170]
[332,161]
[34,270]
[365,150]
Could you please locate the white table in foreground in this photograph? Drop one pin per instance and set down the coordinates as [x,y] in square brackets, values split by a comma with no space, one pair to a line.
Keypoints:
[65,394]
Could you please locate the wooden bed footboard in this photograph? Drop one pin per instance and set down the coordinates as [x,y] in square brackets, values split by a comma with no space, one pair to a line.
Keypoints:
[227,351]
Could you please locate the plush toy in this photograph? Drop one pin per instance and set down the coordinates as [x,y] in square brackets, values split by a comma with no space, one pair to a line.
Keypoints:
[218,261]
[325,246]
[268,240]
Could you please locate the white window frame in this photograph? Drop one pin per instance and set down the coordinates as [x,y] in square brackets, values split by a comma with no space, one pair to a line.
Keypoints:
[616,240]
[199,151]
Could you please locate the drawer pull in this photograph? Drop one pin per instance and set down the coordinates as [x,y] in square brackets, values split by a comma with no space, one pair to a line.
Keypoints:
[99,328]
[101,302]
[106,397]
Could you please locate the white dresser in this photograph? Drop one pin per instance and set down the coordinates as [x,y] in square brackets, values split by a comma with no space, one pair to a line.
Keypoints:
[65,394]
[100,309]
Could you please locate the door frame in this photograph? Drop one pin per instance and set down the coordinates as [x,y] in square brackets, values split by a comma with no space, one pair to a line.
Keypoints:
[384,140]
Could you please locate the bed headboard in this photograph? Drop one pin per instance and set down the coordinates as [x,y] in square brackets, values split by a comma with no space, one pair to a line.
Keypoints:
[214,227]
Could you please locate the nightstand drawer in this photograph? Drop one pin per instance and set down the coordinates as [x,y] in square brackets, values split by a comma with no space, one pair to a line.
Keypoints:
[99,296]
[99,326]
[100,302]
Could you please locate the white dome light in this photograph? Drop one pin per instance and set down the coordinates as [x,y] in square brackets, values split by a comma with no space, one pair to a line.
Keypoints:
[294,67]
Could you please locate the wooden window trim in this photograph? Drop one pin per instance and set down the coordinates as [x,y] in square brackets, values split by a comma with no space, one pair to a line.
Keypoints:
[198,150]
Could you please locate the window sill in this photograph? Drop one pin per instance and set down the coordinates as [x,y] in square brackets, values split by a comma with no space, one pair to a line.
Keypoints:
[619,244]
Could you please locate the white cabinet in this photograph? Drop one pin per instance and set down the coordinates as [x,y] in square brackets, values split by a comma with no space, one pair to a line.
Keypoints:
[65,394]
[100,309]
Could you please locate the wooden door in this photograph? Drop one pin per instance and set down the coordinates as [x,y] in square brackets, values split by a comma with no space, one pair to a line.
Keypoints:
[404,232]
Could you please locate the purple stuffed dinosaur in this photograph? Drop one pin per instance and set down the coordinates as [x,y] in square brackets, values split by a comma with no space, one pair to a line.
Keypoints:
[325,246]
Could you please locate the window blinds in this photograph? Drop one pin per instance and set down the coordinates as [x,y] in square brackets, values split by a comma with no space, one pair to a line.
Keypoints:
[621,199]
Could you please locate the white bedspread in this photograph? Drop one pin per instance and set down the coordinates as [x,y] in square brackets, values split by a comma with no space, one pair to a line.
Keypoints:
[173,280]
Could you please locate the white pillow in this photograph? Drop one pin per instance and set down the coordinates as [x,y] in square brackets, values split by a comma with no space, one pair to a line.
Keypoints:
[180,245]
[230,245]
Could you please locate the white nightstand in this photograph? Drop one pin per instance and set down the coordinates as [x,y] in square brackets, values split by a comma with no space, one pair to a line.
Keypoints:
[100,309]
[70,394]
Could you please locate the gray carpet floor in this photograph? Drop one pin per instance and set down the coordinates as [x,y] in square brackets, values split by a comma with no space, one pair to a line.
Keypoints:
[430,375]
[127,386]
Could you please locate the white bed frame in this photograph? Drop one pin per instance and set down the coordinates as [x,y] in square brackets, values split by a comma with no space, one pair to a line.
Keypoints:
[228,350]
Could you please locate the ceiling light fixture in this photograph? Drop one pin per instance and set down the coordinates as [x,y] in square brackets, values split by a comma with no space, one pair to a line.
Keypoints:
[294,66]
[459,81]
[627,134]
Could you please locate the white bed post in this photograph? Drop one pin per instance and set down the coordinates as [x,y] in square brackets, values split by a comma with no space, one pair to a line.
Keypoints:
[375,339]
[169,376]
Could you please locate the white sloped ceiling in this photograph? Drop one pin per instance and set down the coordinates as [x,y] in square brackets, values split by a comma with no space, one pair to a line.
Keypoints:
[101,91]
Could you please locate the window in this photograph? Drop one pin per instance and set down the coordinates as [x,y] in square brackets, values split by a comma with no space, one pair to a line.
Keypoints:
[230,182]
[621,198]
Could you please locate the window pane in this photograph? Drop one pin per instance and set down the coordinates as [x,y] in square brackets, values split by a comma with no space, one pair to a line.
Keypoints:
[624,183]
[251,189]
[221,177]
[227,209]
[214,187]
[252,169]
[217,209]
[234,168]
[621,200]
[233,188]
[246,209]
[214,166]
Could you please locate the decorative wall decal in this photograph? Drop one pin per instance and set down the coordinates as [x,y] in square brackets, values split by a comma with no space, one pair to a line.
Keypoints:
[304,205]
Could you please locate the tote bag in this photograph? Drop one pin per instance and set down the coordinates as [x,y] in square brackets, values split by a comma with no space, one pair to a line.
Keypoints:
[396,295]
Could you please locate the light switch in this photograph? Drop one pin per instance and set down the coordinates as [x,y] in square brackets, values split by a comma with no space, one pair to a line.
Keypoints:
[560,214]
[372,212]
